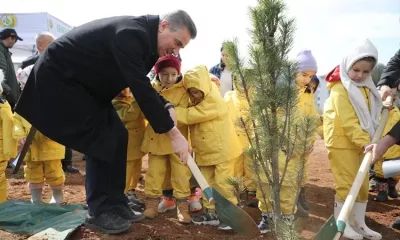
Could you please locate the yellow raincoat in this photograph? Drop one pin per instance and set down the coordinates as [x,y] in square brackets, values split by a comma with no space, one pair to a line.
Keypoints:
[43,161]
[164,165]
[211,131]
[394,151]
[8,146]
[305,108]
[133,119]
[344,139]
[239,110]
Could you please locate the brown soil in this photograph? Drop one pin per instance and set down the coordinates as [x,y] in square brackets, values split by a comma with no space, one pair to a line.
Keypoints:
[320,193]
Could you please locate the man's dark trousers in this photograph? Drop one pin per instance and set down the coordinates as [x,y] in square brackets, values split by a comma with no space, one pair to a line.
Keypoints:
[102,193]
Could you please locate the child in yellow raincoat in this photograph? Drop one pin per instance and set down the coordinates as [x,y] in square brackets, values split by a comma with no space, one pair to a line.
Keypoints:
[8,146]
[306,104]
[43,161]
[213,137]
[351,117]
[168,202]
[238,110]
[306,69]
[159,147]
[387,187]
[131,115]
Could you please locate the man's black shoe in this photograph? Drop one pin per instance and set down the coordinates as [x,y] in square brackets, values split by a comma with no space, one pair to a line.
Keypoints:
[108,222]
[70,169]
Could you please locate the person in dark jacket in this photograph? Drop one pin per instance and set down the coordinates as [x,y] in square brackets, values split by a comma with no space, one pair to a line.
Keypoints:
[380,148]
[223,73]
[390,77]
[8,37]
[68,98]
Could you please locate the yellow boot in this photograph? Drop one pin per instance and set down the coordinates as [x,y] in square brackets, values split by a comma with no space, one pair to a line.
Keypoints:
[183,211]
[151,207]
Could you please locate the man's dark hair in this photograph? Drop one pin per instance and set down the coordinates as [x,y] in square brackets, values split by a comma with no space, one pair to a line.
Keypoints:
[179,19]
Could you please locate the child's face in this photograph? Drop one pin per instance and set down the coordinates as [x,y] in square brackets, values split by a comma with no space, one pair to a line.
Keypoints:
[168,76]
[360,71]
[303,78]
[195,95]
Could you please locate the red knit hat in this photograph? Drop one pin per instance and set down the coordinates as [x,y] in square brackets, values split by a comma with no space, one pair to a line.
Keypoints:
[167,61]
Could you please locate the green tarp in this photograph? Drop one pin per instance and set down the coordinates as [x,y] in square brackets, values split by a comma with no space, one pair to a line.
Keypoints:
[23,217]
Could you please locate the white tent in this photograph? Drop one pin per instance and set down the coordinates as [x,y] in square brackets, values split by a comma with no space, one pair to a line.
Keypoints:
[27,26]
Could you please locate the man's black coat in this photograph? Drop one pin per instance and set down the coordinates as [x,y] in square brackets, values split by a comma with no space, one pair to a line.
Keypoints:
[68,94]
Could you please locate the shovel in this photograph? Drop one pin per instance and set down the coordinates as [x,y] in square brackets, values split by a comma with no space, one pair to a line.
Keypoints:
[334,230]
[228,212]
[20,158]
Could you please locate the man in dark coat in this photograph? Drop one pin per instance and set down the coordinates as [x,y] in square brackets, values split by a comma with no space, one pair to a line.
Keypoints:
[68,98]
[390,76]
[390,79]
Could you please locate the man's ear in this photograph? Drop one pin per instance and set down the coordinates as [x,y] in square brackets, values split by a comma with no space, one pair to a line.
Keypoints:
[163,26]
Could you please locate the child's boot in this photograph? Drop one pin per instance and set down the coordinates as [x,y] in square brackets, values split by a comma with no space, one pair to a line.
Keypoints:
[359,210]
[265,224]
[301,212]
[166,204]
[194,203]
[302,199]
[373,184]
[151,207]
[349,232]
[131,195]
[58,194]
[396,224]
[209,217]
[183,211]
[36,192]
[392,191]
[382,187]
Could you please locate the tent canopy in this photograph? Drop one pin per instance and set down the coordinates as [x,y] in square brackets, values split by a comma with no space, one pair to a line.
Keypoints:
[28,25]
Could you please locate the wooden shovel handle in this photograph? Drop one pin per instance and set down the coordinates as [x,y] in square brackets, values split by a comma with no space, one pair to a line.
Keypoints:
[362,173]
[207,191]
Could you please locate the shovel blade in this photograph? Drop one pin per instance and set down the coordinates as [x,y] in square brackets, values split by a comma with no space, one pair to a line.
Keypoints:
[328,231]
[234,216]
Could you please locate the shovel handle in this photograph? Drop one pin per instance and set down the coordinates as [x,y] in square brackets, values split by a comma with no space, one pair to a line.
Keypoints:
[200,179]
[362,173]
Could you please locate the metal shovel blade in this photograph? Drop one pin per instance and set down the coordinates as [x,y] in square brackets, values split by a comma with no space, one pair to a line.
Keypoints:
[328,231]
[234,216]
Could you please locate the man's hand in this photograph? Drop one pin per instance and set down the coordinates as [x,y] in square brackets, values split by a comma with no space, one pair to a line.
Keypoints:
[172,114]
[179,144]
[380,148]
[386,91]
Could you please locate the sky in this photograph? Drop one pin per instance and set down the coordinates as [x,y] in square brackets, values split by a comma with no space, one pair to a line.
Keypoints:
[327,27]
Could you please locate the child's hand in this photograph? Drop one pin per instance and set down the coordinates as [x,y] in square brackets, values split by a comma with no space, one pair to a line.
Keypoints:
[125,93]
[21,142]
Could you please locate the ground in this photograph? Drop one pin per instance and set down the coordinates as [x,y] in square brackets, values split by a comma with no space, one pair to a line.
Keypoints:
[320,193]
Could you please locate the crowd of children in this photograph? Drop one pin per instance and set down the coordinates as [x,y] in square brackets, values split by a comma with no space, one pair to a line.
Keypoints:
[211,122]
